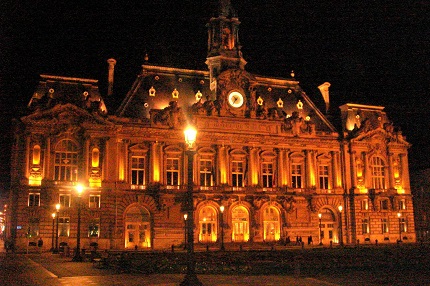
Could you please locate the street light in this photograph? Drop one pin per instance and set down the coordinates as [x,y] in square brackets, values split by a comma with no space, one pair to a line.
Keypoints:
[399,215]
[53,230]
[340,208]
[320,236]
[221,208]
[185,231]
[190,277]
[77,257]
[57,207]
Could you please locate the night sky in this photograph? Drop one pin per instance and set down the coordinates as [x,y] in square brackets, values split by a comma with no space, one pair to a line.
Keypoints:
[374,53]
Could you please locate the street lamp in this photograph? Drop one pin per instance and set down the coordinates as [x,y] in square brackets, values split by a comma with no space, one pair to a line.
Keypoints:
[77,257]
[57,207]
[53,230]
[399,215]
[190,277]
[320,236]
[185,231]
[221,208]
[340,208]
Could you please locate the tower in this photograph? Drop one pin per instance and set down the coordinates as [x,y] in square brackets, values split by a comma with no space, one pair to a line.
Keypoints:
[223,42]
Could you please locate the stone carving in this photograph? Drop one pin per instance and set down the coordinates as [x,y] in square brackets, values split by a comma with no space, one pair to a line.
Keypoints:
[170,116]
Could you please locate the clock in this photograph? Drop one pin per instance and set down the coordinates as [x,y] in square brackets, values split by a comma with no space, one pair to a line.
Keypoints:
[235,99]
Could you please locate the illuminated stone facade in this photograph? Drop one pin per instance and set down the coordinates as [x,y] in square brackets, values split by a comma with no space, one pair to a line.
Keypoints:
[264,151]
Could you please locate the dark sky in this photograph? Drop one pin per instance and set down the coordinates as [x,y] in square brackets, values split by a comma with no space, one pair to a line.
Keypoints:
[375,52]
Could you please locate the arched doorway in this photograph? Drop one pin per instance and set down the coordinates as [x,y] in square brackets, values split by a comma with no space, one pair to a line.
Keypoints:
[137,228]
[240,223]
[208,225]
[271,223]
[328,226]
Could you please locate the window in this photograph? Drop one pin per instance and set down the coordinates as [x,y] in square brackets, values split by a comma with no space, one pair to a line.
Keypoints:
[267,174]
[365,226]
[378,173]
[206,178]
[63,226]
[33,227]
[403,224]
[296,175]
[65,200]
[402,205]
[34,199]
[94,229]
[364,205]
[137,170]
[384,225]
[94,201]
[237,174]
[384,205]
[323,176]
[66,161]
[172,172]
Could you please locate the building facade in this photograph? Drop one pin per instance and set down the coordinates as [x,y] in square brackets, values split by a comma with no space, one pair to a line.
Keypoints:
[264,151]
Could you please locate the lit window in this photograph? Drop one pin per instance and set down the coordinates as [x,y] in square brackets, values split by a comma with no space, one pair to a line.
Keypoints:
[296,175]
[267,174]
[206,177]
[402,205]
[33,228]
[34,199]
[66,161]
[172,172]
[403,224]
[63,226]
[384,225]
[94,201]
[378,173]
[237,173]
[137,170]
[365,205]
[323,176]
[65,200]
[94,229]
[365,226]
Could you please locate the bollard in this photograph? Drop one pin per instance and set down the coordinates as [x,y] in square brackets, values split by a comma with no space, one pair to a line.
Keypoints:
[173,248]
[331,243]
[376,242]
[207,247]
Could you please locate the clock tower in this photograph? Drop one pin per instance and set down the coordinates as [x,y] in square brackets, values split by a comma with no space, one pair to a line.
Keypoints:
[223,43]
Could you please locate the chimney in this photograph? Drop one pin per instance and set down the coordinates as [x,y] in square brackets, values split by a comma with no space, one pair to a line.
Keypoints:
[112,63]
[325,94]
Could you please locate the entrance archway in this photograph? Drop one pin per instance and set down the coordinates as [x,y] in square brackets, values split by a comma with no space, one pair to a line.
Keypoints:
[137,228]
[271,223]
[208,225]
[328,226]
[240,223]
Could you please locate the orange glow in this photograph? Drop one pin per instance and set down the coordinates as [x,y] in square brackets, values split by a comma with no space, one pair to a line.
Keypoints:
[35,180]
[95,158]
[36,155]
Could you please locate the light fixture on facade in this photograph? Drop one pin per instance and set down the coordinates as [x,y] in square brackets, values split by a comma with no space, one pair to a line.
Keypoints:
[199,95]
[152,91]
[175,93]
[280,103]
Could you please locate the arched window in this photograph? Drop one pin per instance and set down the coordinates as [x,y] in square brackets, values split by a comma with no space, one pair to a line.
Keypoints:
[208,223]
[66,161]
[240,224]
[271,223]
[378,173]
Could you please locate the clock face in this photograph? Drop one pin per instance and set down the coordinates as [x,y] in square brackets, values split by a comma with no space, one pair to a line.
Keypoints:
[235,99]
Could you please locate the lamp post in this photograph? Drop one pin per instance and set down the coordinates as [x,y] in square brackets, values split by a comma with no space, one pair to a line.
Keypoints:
[340,208]
[320,237]
[77,257]
[221,208]
[53,230]
[185,231]
[399,215]
[57,207]
[190,277]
